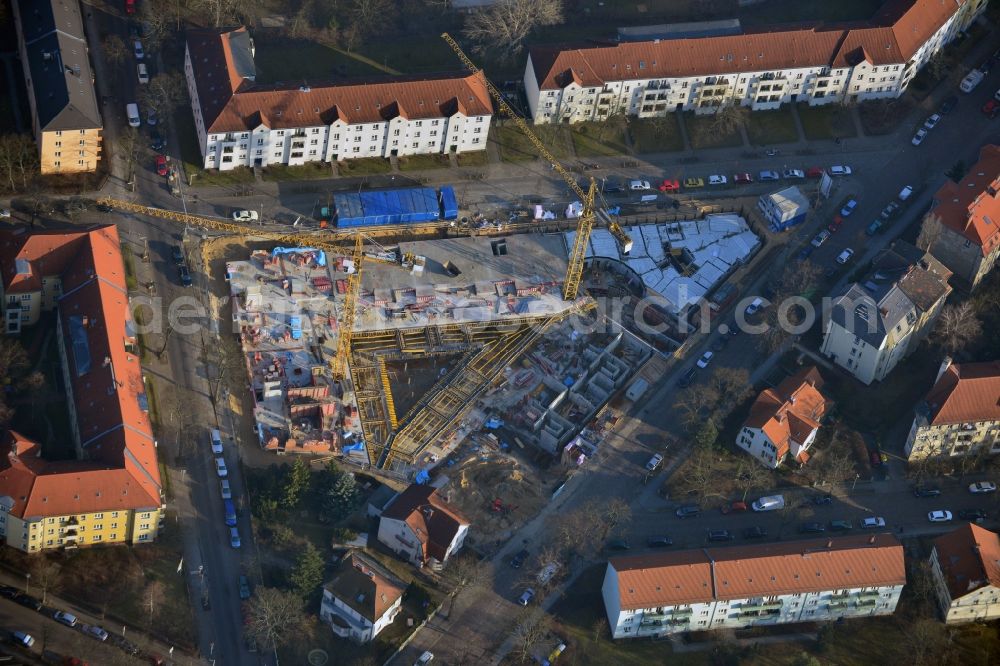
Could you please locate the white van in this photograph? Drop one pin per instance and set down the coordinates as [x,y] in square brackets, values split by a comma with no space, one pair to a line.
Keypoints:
[769,503]
[132,112]
[143,73]
[971,80]
[754,306]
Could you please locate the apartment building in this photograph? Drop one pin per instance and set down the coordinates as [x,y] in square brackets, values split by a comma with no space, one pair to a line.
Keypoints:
[784,420]
[761,68]
[112,492]
[422,528]
[874,324]
[65,116]
[966,220]
[361,599]
[737,587]
[965,566]
[242,123]
[961,414]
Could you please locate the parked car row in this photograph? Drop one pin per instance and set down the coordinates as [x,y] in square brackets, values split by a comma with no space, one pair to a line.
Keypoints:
[695,182]
[222,471]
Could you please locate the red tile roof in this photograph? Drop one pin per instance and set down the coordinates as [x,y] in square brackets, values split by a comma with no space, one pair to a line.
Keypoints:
[969,558]
[791,411]
[107,385]
[434,521]
[891,37]
[972,207]
[361,585]
[43,254]
[231,103]
[739,572]
[965,393]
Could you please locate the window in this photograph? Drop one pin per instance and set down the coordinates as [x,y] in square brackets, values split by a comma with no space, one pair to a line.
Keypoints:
[315,131]
[357,149]
[143,537]
[259,151]
[435,122]
[245,135]
[313,142]
[260,142]
[25,297]
[144,526]
[312,152]
[98,527]
[357,139]
[416,144]
[59,133]
[336,136]
[416,134]
[374,137]
[58,154]
[114,536]
[82,142]
[477,130]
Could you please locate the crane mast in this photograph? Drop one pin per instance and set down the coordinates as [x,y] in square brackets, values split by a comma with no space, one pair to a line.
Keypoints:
[578,253]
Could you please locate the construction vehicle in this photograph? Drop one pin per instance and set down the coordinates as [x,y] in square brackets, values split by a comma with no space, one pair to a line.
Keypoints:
[578,253]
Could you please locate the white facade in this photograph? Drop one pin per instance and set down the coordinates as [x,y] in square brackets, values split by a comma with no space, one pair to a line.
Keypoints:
[815,606]
[756,443]
[818,83]
[358,627]
[867,362]
[400,537]
[980,604]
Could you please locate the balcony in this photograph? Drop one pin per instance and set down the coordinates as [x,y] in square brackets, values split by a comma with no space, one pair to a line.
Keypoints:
[867,603]
[838,605]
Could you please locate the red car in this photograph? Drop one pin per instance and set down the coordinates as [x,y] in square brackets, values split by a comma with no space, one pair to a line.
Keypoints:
[814,172]
[835,225]
[670,186]
[734,507]
[130,7]
[742,178]
[991,108]
[161,165]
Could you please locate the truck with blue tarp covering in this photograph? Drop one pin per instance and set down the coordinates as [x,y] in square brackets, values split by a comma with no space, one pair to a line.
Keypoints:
[393,207]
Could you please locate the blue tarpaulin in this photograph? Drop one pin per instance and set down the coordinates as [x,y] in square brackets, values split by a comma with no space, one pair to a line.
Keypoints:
[357,446]
[493,423]
[387,207]
[320,255]
[422,477]
[449,203]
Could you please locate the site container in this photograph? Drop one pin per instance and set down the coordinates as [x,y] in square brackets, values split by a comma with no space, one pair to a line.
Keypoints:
[387,207]
[449,203]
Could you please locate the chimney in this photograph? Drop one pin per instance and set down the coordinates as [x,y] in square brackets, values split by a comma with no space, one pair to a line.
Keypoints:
[945,364]
[829,544]
[871,540]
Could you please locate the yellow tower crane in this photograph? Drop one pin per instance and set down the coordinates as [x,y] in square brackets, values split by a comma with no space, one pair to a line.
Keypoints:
[578,253]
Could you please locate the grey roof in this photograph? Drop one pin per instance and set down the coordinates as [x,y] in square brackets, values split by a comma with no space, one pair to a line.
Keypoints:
[61,79]
[242,48]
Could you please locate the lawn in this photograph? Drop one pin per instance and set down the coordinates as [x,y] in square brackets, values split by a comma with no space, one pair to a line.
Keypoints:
[420,162]
[600,139]
[771,127]
[478,158]
[295,60]
[883,116]
[656,135]
[309,171]
[364,166]
[792,11]
[830,121]
[702,133]
[515,146]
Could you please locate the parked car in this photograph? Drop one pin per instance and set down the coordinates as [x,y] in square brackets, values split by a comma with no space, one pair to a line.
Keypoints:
[974,515]
[638,185]
[28,601]
[137,49]
[519,559]
[919,137]
[841,525]
[755,305]
[687,511]
[151,117]
[427,657]
[754,533]
[4,213]
[244,588]
[720,343]
[177,254]
[822,500]
[159,143]
[742,178]
[142,73]
[670,186]
[812,528]
[794,173]
[734,507]
[768,175]
[184,275]
[849,207]
[872,522]
[526,597]
[932,121]
[814,172]
[654,462]
[251,215]
[991,108]
[8,592]
[227,493]
[613,188]
[771,152]
[687,378]
[905,193]
[705,359]
[220,468]
[720,535]
[234,537]
[874,458]
[659,542]
[983,487]
[618,544]
[690,183]
[845,256]
[65,618]
[820,238]
[926,491]
[22,638]
[95,632]
[835,224]
[939,516]
[889,210]
[215,441]
[161,165]
[717,179]
[838,170]
[805,252]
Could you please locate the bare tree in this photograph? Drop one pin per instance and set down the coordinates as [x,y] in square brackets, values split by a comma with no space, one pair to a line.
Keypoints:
[730,118]
[834,465]
[926,639]
[698,475]
[18,160]
[615,513]
[930,232]
[275,617]
[164,93]
[128,145]
[368,14]
[155,25]
[957,327]
[696,404]
[466,573]
[532,625]
[732,386]
[750,475]
[152,598]
[115,51]
[222,12]
[937,66]
[503,27]
[47,576]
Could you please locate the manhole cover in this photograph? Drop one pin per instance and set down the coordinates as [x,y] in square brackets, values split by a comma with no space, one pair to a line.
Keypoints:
[318,657]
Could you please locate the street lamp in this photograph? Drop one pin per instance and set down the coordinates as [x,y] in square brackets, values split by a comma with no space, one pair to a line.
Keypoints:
[27,582]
